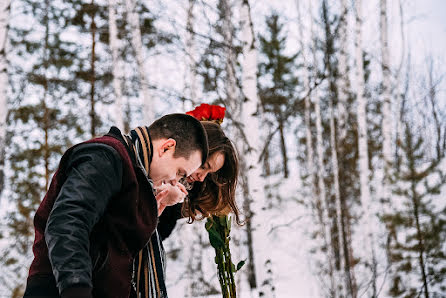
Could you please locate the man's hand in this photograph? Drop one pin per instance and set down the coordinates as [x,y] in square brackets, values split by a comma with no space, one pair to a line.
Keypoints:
[169,195]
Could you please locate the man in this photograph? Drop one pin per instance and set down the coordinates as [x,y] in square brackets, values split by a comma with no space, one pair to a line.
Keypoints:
[101,210]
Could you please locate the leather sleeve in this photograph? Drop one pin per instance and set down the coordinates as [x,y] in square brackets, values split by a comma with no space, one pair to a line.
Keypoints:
[168,220]
[94,175]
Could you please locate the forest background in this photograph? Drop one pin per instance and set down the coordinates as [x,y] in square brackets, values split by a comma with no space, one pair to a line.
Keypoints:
[337,108]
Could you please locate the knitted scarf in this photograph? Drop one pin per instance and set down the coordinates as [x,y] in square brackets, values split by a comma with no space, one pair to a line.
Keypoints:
[149,264]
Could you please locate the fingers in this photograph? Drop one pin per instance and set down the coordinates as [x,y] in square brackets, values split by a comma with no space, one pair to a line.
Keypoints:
[182,188]
[160,188]
[162,194]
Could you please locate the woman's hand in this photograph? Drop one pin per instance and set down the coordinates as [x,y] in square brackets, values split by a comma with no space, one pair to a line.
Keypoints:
[169,195]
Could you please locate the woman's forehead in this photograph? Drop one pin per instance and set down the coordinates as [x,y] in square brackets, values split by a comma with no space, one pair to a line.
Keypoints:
[216,160]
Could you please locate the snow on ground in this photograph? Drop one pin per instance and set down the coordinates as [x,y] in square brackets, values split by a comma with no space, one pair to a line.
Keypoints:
[288,224]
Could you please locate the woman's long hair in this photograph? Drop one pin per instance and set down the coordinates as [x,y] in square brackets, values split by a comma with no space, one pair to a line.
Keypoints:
[216,194]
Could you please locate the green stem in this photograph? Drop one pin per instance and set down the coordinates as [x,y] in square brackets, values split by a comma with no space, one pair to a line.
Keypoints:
[223,258]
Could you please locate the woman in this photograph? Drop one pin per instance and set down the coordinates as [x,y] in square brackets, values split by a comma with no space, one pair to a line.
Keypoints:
[210,191]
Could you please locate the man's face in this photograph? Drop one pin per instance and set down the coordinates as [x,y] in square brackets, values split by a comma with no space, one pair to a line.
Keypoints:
[165,168]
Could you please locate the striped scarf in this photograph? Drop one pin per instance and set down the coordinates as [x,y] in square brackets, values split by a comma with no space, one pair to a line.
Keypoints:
[149,265]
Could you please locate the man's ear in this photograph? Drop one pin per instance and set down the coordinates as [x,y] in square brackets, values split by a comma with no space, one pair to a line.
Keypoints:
[167,145]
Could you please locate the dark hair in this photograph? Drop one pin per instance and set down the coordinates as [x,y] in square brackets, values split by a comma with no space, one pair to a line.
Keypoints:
[187,131]
[216,194]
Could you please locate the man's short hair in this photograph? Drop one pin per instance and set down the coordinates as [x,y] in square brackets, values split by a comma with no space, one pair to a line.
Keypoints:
[187,131]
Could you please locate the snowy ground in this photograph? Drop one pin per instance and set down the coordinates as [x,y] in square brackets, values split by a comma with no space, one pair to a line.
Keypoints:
[288,247]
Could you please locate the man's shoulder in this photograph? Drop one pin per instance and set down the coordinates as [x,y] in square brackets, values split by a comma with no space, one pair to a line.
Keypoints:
[113,139]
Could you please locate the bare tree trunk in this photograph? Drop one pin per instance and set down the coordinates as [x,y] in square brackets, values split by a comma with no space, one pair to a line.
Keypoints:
[191,52]
[46,154]
[415,210]
[348,247]
[252,280]
[343,83]
[440,129]
[343,94]
[308,135]
[283,145]
[387,122]
[252,152]
[118,72]
[323,199]
[133,20]
[5,8]
[386,100]
[231,80]
[399,98]
[93,120]
[421,249]
[363,146]
[339,226]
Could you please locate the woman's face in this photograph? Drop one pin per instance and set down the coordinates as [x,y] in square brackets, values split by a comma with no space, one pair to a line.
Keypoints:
[214,163]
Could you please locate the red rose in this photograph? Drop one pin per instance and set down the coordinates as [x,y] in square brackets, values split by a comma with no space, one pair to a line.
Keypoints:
[217,113]
[203,112]
[208,113]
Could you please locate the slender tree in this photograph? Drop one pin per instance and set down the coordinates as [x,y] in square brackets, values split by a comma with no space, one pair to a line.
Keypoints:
[93,66]
[252,147]
[343,83]
[363,146]
[137,45]
[278,94]
[191,53]
[4,21]
[386,103]
[231,85]
[118,71]
[418,226]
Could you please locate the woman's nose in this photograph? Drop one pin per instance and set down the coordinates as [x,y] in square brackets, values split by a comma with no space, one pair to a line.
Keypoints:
[201,176]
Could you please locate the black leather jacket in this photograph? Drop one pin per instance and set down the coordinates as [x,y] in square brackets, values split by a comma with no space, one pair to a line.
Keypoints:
[94,175]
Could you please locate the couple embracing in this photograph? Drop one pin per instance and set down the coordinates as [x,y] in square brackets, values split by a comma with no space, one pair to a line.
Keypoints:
[99,228]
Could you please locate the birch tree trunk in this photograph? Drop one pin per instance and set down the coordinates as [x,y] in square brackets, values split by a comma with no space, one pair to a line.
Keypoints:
[133,20]
[363,147]
[343,93]
[307,117]
[386,101]
[191,52]
[387,121]
[231,80]
[322,197]
[339,226]
[46,125]
[4,20]
[250,121]
[93,121]
[399,87]
[118,72]
[343,82]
